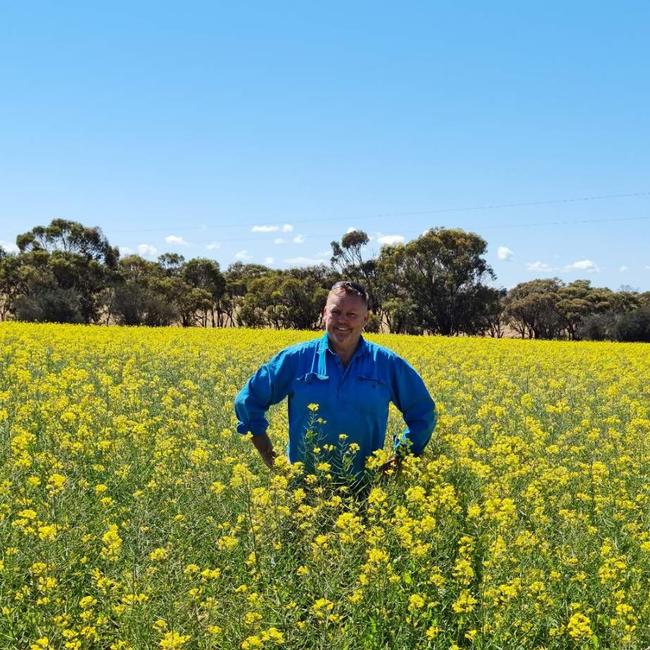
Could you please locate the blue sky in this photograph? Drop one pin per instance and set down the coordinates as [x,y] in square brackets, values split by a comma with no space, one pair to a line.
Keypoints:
[183,126]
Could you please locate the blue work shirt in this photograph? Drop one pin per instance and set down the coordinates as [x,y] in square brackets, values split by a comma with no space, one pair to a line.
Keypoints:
[352,400]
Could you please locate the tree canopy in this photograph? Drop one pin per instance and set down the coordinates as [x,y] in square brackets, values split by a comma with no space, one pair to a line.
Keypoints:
[437,283]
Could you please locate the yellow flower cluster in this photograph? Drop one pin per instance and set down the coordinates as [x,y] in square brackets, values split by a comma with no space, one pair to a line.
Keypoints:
[132,515]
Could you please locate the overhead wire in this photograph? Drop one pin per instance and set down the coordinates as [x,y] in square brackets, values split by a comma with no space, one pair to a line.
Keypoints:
[391,215]
[287,237]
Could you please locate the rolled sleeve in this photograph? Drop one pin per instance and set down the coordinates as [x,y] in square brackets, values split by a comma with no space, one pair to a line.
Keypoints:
[268,385]
[412,398]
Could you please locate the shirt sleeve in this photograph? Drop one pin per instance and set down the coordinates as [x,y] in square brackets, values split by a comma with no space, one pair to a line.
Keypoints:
[269,385]
[412,398]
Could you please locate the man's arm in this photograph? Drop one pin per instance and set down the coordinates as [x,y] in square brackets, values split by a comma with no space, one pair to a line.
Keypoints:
[269,385]
[265,449]
[412,398]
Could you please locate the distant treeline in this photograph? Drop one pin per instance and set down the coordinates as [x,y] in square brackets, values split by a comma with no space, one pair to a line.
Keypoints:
[435,284]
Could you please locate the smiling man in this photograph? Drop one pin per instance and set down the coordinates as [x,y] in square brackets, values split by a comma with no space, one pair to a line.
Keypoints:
[351,380]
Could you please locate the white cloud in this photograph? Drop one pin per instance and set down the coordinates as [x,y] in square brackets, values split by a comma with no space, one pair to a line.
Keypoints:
[390,240]
[9,247]
[582,265]
[304,261]
[213,245]
[147,250]
[287,227]
[124,250]
[541,267]
[174,239]
[243,255]
[504,253]
[622,269]
[269,260]
[279,240]
[298,239]
[265,228]
[325,253]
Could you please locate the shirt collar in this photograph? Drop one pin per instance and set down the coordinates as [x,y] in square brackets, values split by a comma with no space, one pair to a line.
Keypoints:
[324,346]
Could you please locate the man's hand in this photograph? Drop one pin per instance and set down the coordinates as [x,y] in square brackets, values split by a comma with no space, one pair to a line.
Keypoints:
[264,446]
[391,467]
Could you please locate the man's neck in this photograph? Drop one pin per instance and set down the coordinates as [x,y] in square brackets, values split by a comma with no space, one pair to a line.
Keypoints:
[345,354]
[345,357]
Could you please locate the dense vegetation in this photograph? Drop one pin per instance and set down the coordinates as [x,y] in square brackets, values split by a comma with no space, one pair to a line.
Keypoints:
[434,284]
[132,516]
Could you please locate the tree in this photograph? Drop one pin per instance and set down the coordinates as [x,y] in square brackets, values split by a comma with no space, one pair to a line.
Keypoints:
[70,264]
[644,299]
[579,300]
[574,304]
[438,275]
[238,277]
[11,283]
[281,300]
[69,237]
[634,325]
[143,294]
[347,258]
[44,292]
[204,275]
[171,263]
[491,320]
[531,308]
[597,327]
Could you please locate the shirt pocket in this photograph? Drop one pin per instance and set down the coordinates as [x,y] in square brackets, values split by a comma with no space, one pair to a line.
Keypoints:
[311,388]
[371,390]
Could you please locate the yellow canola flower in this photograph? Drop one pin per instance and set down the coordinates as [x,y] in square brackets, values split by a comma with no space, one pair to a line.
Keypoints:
[56,483]
[48,532]
[252,643]
[531,495]
[172,640]
[416,602]
[579,627]
[28,513]
[321,608]
[43,642]
[112,543]
[38,568]
[273,635]
[87,601]
[159,553]
[465,603]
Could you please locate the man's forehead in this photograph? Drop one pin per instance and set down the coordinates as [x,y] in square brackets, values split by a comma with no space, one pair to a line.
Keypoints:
[347,300]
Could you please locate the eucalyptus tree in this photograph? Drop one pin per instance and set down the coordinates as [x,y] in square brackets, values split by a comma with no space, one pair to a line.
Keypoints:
[67,265]
[434,283]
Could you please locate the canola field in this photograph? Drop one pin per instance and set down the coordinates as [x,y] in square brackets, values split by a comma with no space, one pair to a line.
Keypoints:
[133,516]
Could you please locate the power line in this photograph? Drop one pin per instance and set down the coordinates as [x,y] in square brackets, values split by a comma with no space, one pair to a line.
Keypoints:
[392,215]
[287,240]
[565,222]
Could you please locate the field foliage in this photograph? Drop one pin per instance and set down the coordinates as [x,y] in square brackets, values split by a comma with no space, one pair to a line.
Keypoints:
[132,515]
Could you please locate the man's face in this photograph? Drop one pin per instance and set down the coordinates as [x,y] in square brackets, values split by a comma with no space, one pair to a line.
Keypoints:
[344,316]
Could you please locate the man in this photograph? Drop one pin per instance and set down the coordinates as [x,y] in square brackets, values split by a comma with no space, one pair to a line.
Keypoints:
[344,380]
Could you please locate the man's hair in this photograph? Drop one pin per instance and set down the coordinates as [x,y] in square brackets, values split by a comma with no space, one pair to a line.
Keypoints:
[351,289]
